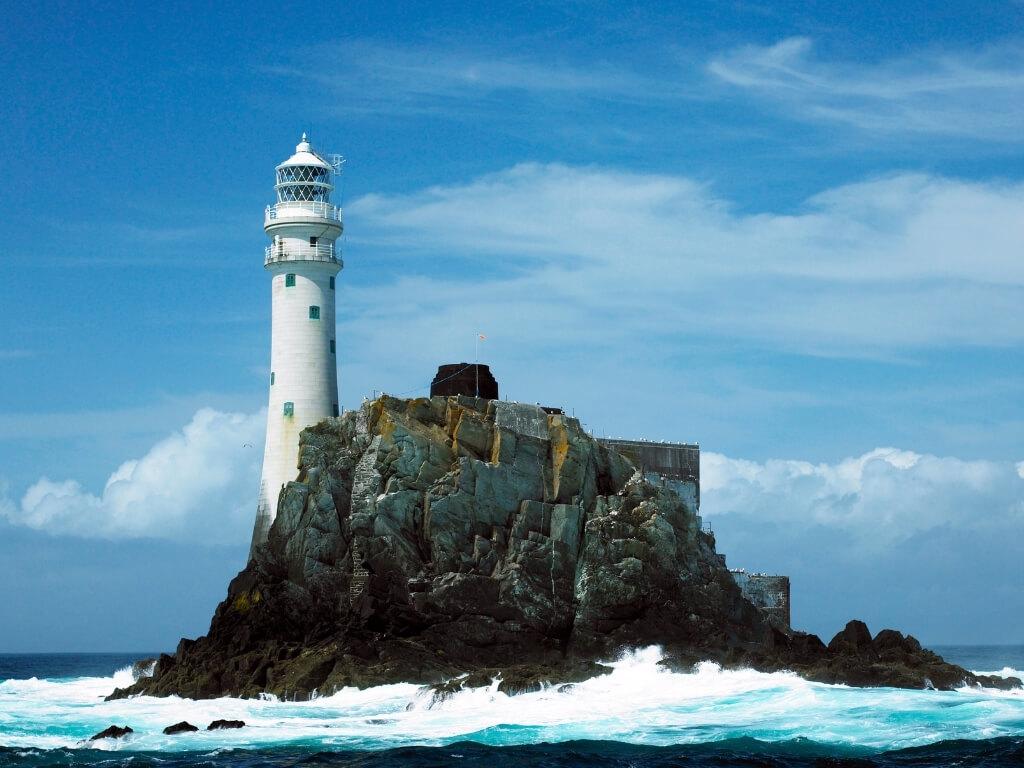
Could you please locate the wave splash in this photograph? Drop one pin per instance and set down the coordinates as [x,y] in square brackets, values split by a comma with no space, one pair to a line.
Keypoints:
[638,702]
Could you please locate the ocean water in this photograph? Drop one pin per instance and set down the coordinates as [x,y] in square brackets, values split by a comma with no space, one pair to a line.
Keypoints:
[639,715]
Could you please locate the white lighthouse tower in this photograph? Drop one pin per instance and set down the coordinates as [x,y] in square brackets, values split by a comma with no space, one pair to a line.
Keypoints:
[303,261]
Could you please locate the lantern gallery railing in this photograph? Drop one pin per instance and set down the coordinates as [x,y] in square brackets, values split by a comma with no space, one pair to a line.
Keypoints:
[303,209]
[299,252]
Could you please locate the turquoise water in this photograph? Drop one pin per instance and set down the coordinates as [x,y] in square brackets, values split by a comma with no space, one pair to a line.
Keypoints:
[50,705]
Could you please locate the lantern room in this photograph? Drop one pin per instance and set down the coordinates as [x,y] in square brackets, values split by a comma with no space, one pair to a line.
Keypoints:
[304,177]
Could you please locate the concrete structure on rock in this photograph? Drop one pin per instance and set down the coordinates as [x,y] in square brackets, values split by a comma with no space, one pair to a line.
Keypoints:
[303,261]
[768,592]
[676,463]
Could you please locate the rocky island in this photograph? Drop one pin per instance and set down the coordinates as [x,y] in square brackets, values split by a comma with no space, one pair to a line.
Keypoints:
[453,540]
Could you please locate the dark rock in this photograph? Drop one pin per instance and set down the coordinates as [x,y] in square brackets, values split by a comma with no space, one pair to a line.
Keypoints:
[854,638]
[113,732]
[441,692]
[451,541]
[143,668]
[182,727]
[221,725]
[517,680]
[1001,683]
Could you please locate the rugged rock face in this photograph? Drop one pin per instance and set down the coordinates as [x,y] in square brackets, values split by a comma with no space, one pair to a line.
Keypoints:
[458,539]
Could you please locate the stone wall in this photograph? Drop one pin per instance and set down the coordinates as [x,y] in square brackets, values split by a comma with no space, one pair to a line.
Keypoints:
[769,593]
[673,461]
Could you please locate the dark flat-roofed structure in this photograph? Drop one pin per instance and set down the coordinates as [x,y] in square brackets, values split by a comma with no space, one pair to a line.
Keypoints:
[470,379]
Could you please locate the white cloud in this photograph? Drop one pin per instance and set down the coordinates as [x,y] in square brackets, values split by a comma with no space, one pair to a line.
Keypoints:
[389,78]
[976,94]
[879,499]
[571,255]
[197,485]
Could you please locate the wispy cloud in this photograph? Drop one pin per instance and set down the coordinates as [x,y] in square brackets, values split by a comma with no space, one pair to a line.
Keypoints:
[977,94]
[564,255]
[393,78]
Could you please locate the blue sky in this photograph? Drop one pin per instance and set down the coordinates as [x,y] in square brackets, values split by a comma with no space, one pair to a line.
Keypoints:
[793,234]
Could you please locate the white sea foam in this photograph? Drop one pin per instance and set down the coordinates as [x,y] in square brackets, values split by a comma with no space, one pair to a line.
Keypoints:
[1004,672]
[639,701]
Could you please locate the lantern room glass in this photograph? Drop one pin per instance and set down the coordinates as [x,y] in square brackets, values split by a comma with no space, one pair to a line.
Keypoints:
[303,183]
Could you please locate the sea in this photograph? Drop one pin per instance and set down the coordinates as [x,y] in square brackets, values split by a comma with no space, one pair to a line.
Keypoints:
[641,715]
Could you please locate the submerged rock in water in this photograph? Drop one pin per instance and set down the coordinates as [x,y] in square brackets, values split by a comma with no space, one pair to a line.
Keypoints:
[221,725]
[457,538]
[113,732]
[182,727]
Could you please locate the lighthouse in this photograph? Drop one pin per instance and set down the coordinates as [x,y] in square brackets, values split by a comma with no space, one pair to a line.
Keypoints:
[303,261]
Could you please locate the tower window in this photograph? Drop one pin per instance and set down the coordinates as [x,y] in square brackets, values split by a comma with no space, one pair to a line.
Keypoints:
[332,347]
[314,313]
[332,283]
[335,409]
[312,242]
[271,378]
[289,280]
[289,408]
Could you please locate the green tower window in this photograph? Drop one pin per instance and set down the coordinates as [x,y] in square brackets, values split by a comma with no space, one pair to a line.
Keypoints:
[314,313]
[271,378]
[289,280]
[333,350]
[289,409]
[332,283]
[335,409]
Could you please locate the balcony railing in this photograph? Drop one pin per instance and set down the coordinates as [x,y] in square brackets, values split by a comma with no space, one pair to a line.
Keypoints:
[291,252]
[302,210]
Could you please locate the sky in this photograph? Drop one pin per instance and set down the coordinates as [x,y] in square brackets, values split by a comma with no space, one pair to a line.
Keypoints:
[791,232]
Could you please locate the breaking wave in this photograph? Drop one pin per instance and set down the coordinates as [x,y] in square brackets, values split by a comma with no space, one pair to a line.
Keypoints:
[639,702]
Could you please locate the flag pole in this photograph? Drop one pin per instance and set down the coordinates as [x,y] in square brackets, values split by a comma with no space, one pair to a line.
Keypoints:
[476,364]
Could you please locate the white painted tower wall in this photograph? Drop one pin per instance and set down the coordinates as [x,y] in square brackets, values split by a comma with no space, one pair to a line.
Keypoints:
[303,354]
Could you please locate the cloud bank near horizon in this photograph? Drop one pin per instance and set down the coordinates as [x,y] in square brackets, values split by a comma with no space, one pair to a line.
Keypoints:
[199,484]
[877,500]
[196,485]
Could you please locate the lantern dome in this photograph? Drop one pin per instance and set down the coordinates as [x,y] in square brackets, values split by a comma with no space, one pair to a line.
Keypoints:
[305,176]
